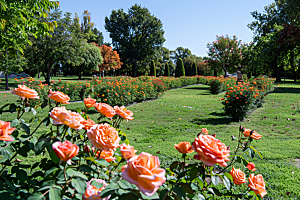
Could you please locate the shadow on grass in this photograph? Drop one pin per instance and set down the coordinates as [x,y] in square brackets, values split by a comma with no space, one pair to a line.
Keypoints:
[213,121]
[196,88]
[287,90]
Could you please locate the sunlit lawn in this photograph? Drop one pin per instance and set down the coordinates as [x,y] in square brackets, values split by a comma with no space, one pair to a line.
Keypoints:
[180,114]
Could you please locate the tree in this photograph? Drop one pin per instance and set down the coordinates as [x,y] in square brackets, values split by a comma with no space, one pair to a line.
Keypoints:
[60,47]
[92,58]
[195,69]
[225,53]
[111,59]
[180,71]
[180,52]
[188,63]
[152,68]
[135,35]
[19,21]
[167,70]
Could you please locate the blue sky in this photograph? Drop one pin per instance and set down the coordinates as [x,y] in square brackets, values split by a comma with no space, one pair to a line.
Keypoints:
[190,23]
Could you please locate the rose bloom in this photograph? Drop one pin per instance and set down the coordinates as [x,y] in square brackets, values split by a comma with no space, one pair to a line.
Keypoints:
[5,131]
[143,171]
[184,147]
[238,176]
[89,102]
[92,192]
[251,166]
[254,135]
[204,131]
[87,124]
[62,116]
[105,109]
[124,113]
[257,184]
[210,150]
[104,137]
[59,97]
[65,151]
[106,155]
[127,151]
[25,92]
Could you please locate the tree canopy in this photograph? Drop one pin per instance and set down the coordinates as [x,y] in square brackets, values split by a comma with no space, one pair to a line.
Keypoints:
[135,35]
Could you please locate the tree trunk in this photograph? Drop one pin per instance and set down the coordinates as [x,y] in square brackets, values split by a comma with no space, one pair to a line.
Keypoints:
[278,74]
[48,74]
[215,73]
[79,75]
[6,82]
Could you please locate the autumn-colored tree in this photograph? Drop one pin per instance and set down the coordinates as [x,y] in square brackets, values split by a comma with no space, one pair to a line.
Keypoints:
[111,59]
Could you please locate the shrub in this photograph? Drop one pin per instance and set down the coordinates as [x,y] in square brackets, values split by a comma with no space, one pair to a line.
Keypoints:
[152,68]
[167,70]
[215,86]
[194,69]
[180,71]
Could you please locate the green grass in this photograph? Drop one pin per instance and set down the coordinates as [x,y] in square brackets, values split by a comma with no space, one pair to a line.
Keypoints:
[180,114]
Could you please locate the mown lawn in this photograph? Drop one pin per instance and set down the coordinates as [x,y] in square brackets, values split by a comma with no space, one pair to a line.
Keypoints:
[180,114]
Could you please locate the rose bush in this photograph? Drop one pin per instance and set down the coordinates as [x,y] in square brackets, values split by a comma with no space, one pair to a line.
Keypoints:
[88,160]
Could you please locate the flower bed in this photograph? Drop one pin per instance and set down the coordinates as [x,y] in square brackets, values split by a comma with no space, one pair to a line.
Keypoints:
[92,160]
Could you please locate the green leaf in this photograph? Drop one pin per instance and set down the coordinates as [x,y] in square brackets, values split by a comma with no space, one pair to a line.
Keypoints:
[54,194]
[86,168]
[79,185]
[129,196]
[53,169]
[102,162]
[44,104]
[39,147]
[33,111]
[15,123]
[1,109]
[21,175]
[227,183]
[109,190]
[72,173]
[36,196]
[179,191]
[124,184]
[215,191]
[173,166]
[23,138]
[26,128]
[154,196]
[53,156]
[193,173]
[260,155]
[163,194]
[5,153]
[46,121]
[187,188]
[228,176]
[96,184]
[12,108]
[215,180]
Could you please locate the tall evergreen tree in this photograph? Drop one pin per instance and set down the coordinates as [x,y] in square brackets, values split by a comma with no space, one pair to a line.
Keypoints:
[152,68]
[194,69]
[167,70]
[180,71]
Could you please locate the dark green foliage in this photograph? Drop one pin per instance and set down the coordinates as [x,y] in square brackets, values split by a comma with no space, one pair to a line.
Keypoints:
[152,68]
[194,67]
[215,86]
[180,71]
[167,70]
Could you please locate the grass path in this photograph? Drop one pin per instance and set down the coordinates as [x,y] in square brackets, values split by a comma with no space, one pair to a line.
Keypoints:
[180,114]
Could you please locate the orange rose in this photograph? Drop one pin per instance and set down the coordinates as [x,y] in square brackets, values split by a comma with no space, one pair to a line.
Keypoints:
[143,171]
[254,135]
[65,151]
[251,166]
[106,155]
[257,184]
[105,109]
[124,113]
[59,97]
[92,192]
[127,151]
[184,147]
[210,150]
[103,137]
[204,131]
[89,102]
[238,176]
[87,124]
[5,131]
[62,116]
[25,92]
